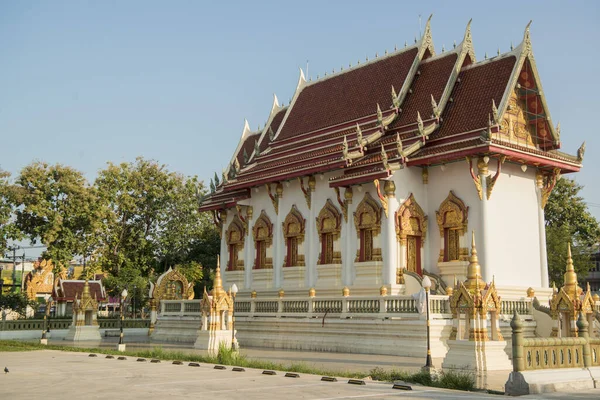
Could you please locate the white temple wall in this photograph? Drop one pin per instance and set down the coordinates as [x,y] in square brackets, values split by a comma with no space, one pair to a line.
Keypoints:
[512,217]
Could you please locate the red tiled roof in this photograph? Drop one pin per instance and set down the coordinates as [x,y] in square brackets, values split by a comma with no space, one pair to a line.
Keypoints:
[72,288]
[349,95]
[472,97]
[310,140]
[432,80]
[248,146]
[275,123]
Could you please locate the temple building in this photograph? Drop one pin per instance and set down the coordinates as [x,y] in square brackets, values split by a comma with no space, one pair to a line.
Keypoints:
[384,169]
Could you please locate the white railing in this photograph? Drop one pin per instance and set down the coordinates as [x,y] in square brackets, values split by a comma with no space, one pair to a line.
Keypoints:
[343,307]
[303,307]
[180,308]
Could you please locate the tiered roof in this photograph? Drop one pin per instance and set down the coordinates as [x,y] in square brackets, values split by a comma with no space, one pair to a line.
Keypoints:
[407,108]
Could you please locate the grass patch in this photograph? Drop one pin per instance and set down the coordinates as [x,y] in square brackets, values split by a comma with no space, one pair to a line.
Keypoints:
[13,345]
[451,379]
[458,380]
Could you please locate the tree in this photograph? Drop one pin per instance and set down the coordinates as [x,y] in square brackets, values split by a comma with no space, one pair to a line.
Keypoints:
[56,206]
[153,221]
[568,220]
[17,302]
[8,229]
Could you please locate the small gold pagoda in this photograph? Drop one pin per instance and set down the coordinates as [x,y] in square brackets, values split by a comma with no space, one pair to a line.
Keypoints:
[217,317]
[470,303]
[85,310]
[568,302]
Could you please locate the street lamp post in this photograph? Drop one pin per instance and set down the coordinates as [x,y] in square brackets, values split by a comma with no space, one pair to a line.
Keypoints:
[133,298]
[234,344]
[121,346]
[44,339]
[427,286]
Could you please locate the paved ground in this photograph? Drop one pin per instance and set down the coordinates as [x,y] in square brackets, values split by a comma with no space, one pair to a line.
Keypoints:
[52,374]
[341,362]
[63,375]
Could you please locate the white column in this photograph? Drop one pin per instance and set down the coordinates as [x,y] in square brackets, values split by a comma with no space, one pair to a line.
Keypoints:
[542,233]
[389,252]
[349,235]
[310,238]
[278,244]
[223,251]
[248,250]
[482,167]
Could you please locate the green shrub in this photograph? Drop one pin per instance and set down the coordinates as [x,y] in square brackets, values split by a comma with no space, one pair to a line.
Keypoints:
[451,379]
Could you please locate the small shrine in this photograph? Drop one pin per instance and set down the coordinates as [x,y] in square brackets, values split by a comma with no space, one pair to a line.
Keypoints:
[475,305]
[217,318]
[85,317]
[66,292]
[568,302]
[171,285]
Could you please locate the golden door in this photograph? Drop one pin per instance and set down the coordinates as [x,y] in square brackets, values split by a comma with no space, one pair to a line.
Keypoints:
[413,259]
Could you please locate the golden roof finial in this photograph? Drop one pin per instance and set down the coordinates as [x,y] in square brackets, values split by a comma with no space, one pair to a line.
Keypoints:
[218,286]
[86,290]
[570,277]
[474,269]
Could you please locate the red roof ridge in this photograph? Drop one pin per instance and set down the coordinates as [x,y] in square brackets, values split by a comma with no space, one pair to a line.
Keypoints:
[275,109]
[365,64]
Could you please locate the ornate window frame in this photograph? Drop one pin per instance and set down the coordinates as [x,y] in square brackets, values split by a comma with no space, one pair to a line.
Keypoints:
[372,210]
[458,220]
[410,209]
[262,231]
[329,212]
[294,227]
[235,227]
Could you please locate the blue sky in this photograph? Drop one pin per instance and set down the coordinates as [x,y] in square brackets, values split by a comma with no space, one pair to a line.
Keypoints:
[83,83]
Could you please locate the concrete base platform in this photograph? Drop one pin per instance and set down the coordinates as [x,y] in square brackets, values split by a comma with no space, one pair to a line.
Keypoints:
[84,333]
[552,380]
[176,329]
[211,340]
[477,356]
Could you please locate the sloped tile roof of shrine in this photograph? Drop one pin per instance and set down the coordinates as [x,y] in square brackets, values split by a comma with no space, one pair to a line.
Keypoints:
[68,289]
[408,108]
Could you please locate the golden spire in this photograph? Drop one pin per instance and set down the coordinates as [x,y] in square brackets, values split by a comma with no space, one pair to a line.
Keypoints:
[86,290]
[218,286]
[570,277]
[474,269]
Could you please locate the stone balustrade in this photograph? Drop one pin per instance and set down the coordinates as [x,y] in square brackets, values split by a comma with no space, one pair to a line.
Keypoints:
[521,306]
[555,352]
[56,324]
[374,306]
